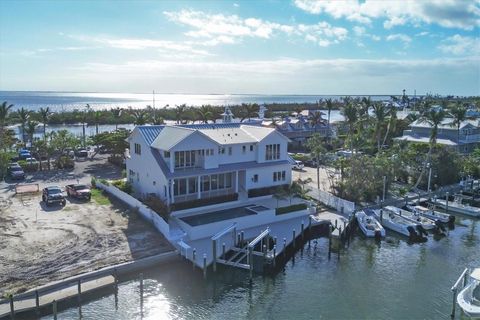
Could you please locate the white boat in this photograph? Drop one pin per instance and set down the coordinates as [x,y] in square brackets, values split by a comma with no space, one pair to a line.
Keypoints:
[426,223]
[397,223]
[458,207]
[469,298]
[369,225]
[430,213]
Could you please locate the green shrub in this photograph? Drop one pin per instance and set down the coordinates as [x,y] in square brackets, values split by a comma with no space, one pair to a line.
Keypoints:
[259,192]
[291,208]
[93,182]
[159,206]
[123,185]
[104,181]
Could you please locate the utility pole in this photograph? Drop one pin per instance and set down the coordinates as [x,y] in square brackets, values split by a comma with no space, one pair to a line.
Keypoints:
[384,187]
[429,176]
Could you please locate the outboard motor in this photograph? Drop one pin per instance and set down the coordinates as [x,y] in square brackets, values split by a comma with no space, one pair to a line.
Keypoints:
[421,230]
[451,221]
[413,234]
[378,235]
[439,226]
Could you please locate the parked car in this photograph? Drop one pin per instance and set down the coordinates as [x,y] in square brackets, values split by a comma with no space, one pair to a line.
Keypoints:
[311,163]
[79,191]
[32,161]
[81,153]
[16,172]
[24,154]
[52,195]
[298,165]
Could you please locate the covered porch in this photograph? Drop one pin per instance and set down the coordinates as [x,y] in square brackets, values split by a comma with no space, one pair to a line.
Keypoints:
[206,186]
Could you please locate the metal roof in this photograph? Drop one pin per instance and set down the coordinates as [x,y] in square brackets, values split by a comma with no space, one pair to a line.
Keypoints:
[150,132]
[170,136]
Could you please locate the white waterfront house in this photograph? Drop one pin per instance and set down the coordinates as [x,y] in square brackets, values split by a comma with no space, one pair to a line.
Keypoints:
[203,162]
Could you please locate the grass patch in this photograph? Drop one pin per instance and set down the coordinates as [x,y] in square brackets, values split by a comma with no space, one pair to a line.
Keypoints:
[293,207]
[100,198]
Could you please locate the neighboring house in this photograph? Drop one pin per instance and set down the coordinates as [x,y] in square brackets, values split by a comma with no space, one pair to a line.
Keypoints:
[181,163]
[466,142]
[298,129]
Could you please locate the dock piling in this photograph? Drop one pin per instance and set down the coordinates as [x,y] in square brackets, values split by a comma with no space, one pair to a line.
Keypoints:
[293,242]
[12,308]
[54,307]
[205,265]
[194,254]
[242,237]
[329,241]
[446,201]
[274,254]
[454,304]
[223,251]
[250,253]
[285,248]
[302,230]
[214,253]
[37,302]
[141,293]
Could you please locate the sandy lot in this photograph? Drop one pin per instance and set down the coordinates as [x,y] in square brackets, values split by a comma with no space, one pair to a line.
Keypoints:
[40,244]
[311,173]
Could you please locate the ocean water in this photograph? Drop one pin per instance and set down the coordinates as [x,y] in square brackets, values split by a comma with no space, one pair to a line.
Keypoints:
[392,279]
[59,101]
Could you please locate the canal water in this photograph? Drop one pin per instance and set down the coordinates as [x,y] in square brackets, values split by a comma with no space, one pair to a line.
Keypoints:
[388,280]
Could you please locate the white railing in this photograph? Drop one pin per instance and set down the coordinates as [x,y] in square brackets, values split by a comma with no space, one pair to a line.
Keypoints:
[341,205]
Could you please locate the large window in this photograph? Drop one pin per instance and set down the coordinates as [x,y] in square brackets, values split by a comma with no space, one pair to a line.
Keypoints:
[272,152]
[279,176]
[184,186]
[216,182]
[185,159]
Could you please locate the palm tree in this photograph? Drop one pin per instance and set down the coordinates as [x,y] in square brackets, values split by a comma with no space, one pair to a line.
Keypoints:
[350,113]
[180,112]
[117,113]
[45,116]
[329,104]
[380,115]
[4,110]
[23,115]
[459,114]
[141,117]
[293,190]
[315,119]
[31,126]
[392,122]
[279,194]
[204,113]
[249,111]
[84,120]
[96,119]
[314,144]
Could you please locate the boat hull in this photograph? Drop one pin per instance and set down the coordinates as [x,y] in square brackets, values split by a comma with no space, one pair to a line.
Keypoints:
[465,300]
[376,232]
[469,211]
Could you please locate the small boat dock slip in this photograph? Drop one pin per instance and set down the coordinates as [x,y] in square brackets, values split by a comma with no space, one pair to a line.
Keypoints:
[35,300]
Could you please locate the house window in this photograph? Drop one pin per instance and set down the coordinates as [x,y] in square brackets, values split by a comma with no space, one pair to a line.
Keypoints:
[138,148]
[229,151]
[221,181]
[251,147]
[205,183]
[228,180]
[272,152]
[244,149]
[255,178]
[184,159]
[274,176]
[283,176]
[154,183]
[214,182]
[221,150]
[180,187]
[192,185]
[166,154]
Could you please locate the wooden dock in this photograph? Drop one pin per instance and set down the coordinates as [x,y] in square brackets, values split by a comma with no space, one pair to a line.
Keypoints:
[34,300]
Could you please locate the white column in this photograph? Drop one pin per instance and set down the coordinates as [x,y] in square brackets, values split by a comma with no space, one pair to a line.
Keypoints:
[198,187]
[236,182]
[172,194]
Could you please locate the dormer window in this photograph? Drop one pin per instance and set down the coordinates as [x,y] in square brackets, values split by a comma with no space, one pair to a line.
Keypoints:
[166,154]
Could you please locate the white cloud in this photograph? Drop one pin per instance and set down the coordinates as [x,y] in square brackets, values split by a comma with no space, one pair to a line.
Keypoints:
[399,37]
[463,14]
[219,28]
[458,45]
[141,44]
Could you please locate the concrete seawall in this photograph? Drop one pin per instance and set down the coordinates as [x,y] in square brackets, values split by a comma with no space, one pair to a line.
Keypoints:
[88,282]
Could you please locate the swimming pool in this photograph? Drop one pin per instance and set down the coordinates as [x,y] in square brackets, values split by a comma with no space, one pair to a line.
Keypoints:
[221,215]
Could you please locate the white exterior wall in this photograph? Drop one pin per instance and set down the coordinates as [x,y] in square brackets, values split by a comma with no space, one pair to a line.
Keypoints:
[265,176]
[198,141]
[146,169]
[237,153]
[273,138]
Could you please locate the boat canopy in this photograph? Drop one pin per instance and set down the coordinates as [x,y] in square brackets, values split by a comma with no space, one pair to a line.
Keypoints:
[475,274]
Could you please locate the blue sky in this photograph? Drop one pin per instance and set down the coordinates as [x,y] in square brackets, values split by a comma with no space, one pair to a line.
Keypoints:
[266,47]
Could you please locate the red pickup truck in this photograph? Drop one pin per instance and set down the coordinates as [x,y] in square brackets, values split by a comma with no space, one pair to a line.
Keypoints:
[79,191]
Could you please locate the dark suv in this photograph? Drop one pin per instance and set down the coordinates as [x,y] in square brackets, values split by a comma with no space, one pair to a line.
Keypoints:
[53,195]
